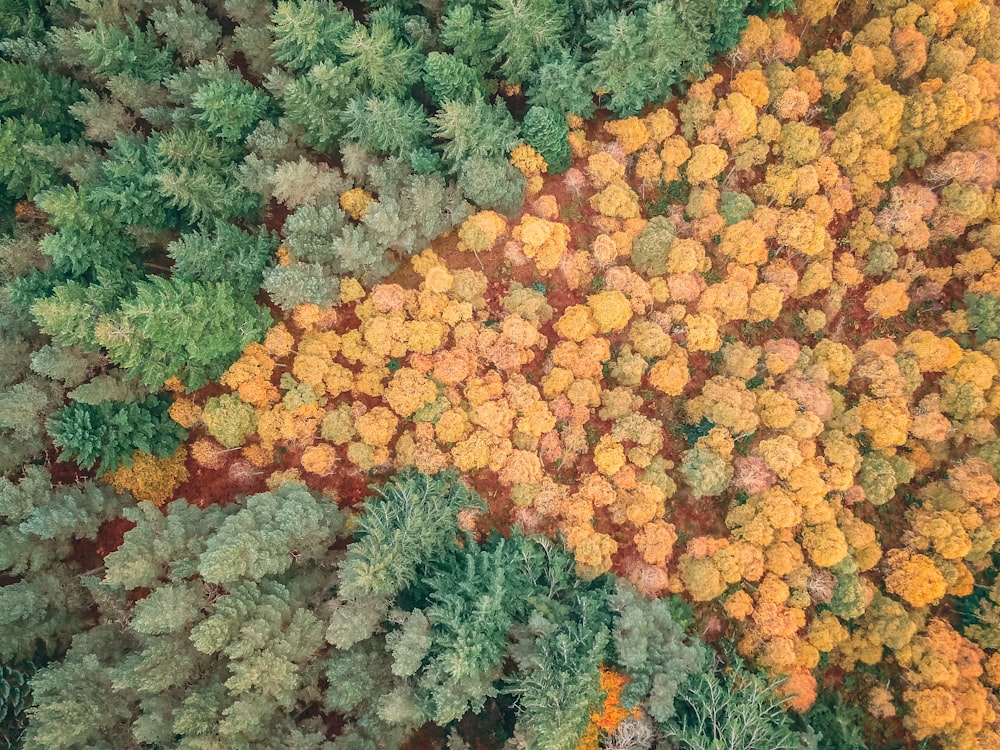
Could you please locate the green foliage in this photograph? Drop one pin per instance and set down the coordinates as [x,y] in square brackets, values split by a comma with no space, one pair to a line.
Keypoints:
[735,711]
[296,284]
[110,51]
[229,419]
[559,655]
[42,600]
[706,472]
[525,32]
[386,124]
[129,188]
[108,434]
[984,315]
[652,647]
[650,248]
[836,724]
[187,329]
[639,56]
[188,29]
[447,78]
[735,207]
[377,56]
[561,83]
[492,183]
[464,30]
[410,520]
[224,253]
[191,660]
[90,240]
[546,130]
[15,697]
[474,129]
[308,33]
[880,475]
[230,109]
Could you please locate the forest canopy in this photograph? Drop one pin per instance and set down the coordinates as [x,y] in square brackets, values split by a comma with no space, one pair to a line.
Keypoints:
[500,374]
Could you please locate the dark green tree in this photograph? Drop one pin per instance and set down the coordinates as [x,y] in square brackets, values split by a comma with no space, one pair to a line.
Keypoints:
[108,434]
[547,131]
[224,252]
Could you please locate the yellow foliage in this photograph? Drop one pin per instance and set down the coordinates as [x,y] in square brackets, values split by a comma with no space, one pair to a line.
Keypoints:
[706,163]
[351,290]
[151,478]
[480,231]
[377,427]
[185,412]
[576,323]
[408,391]
[611,310]
[356,203]
[670,374]
[617,200]
[527,160]
[543,241]
[914,578]
[887,300]
[609,455]
[630,132]
[702,333]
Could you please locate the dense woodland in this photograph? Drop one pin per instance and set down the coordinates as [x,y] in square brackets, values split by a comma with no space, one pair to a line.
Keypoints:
[557,374]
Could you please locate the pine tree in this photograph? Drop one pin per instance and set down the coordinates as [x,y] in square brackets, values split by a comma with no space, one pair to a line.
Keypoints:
[386,124]
[298,283]
[492,183]
[526,32]
[562,83]
[447,78]
[308,33]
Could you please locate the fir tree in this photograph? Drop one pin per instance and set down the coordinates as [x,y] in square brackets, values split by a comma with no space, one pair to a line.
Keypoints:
[188,329]
[308,33]
[447,78]
[526,32]
[225,252]
[474,129]
[298,283]
[562,83]
[547,131]
[492,183]
[109,433]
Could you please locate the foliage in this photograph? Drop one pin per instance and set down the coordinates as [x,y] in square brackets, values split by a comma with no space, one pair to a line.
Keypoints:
[44,603]
[732,710]
[107,434]
[546,130]
[177,328]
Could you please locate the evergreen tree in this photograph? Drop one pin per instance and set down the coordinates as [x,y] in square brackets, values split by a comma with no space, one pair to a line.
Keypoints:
[308,33]
[108,434]
[447,78]
[474,129]
[42,600]
[492,183]
[177,328]
[526,32]
[298,283]
[224,252]
[547,131]
[562,83]
[386,124]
